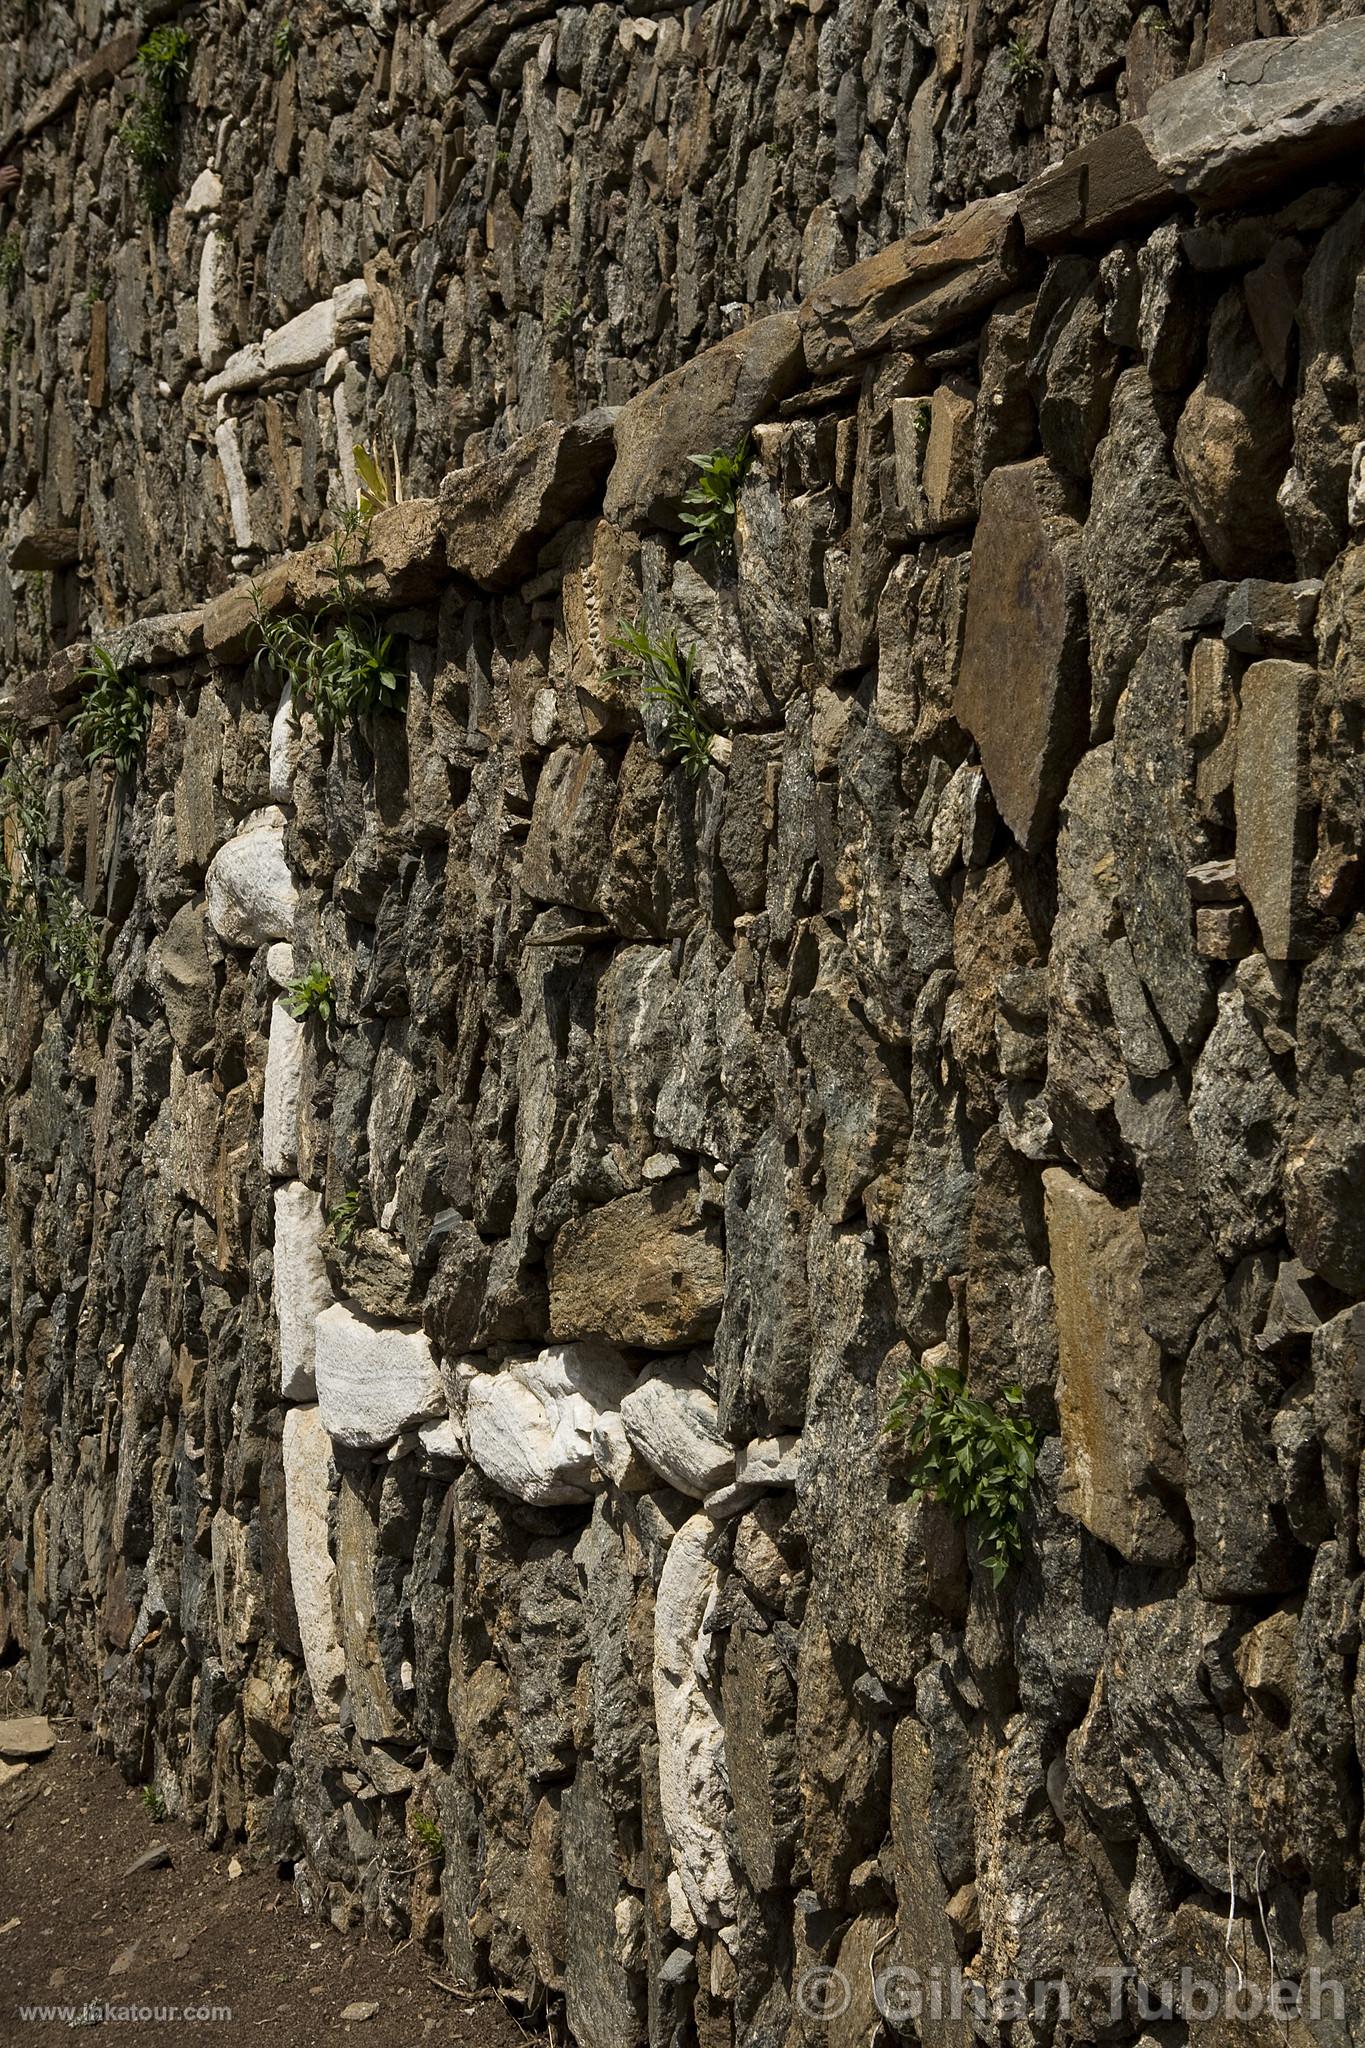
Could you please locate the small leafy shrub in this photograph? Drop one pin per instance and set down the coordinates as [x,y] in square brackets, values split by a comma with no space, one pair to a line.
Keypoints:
[710,506]
[311,995]
[153,1799]
[1023,61]
[43,921]
[343,1218]
[339,662]
[114,715]
[11,263]
[667,678]
[976,1461]
[148,132]
[427,1834]
[284,44]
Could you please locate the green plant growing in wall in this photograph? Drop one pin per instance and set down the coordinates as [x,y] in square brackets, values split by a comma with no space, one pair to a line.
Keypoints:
[154,1801]
[667,677]
[977,1461]
[284,44]
[1023,61]
[11,263]
[115,712]
[427,1835]
[43,921]
[311,995]
[148,131]
[710,506]
[338,660]
[343,1218]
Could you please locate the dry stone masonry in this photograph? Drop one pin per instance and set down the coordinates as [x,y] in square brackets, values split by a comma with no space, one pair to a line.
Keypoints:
[470,1408]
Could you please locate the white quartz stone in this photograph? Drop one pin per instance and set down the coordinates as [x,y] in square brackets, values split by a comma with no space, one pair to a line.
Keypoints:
[308,1474]
[279,963]
[205,194]
[693,1790]
[444,1439]
[215,280]
[284,749]
[673,1424]
[614,1457]
[309,338]
[530,1426]
[374,1379]
[283,1080]
[769,1461]
[250,893]
[302,1289]
[234,477]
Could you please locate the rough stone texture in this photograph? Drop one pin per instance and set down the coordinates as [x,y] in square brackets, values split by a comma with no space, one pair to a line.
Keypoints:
[1021,692]
[1122,1449]
[373,1381]
[302,1289]
[250,891]
[1273,802]
[766,1066]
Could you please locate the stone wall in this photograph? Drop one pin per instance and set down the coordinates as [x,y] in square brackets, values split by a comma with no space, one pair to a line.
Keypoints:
[472,1407]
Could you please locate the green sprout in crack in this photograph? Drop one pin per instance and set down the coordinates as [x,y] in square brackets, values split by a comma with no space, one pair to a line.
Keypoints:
[148,131]
[343,1218]
[311,995]
[154,1801]
[1023,61]
[978,1462]
[337,661]
[284,44]
[11,263]
[667,678]
[115,713]
[43,921]
[427,1834]
[710,506]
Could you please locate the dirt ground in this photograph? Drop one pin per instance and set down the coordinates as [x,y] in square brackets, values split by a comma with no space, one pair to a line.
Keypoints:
[79,1930]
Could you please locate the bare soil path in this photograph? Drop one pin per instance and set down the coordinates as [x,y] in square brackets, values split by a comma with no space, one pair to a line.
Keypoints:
[81,1930]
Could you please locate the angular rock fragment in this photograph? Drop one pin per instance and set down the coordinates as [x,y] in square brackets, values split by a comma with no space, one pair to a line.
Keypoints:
[308,1485]
[530,1427]
[374,1380]
[692,1778]
[302,1289]
[645,1269]
[1022,691]
[1324,1174]
[283,1081]
[1272,801]
[672,1423]
[497,513]
[249,890]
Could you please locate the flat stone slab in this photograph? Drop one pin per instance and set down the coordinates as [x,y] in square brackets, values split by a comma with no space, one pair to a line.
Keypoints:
[25,1737]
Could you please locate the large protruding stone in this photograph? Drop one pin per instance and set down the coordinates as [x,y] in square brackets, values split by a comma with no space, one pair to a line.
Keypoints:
[497,513]
[645,1269]
[1259,113]
[709,403]
[1271,796]
[1023,691]
[530,1426]
[249,889]
[302,1289]
[692,1778]
[308,1482]
[1121,1444]
[374,1379]
[934,280]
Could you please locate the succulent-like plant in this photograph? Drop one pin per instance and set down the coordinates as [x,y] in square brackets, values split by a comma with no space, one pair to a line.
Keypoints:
[667,677]
[710,506]
[115,712]
[343,1218]
[1023,61]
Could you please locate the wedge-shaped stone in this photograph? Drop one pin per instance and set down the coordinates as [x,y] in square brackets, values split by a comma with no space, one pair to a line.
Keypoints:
[1024,686]
[309,1477]
[692,1777]
[1119,1439]
[709,403]
[1271,795]
[1258,114]
[921,287]
[302,1289]
[374,1379]
[248,888]
[673,1424]
[497,513]
[530,1426]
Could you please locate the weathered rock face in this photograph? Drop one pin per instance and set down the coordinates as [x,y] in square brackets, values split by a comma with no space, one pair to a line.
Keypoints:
[480,1393]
